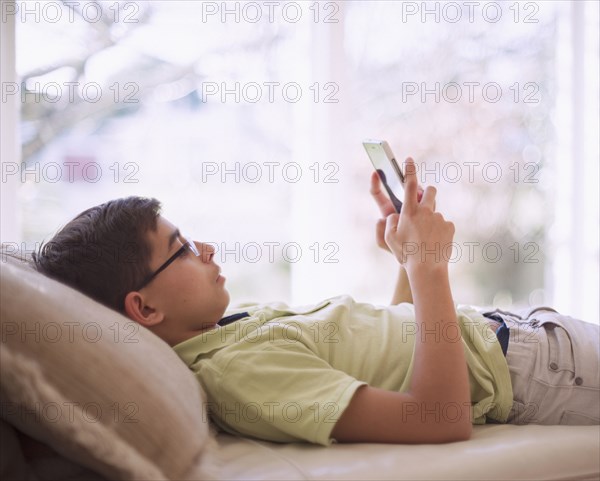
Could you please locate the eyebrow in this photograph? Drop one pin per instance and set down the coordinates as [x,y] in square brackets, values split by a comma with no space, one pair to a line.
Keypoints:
[172,238]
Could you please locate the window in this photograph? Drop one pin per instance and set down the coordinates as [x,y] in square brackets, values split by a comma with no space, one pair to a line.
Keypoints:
[246,122]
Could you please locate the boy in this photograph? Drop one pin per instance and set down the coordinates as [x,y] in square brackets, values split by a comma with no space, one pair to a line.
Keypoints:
[420,371]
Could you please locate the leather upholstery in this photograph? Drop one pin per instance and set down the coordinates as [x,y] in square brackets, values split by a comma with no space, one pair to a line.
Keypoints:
[494,452]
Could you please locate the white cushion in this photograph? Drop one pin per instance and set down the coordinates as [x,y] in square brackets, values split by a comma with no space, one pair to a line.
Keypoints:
[98,388]
[494,452]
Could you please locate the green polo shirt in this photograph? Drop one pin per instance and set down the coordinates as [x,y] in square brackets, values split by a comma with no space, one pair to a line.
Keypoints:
[286,374]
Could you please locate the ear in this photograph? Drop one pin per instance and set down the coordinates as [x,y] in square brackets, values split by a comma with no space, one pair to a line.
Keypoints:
[138,310]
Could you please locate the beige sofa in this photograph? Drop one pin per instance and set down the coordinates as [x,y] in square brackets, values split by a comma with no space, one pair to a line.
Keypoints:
[87,394]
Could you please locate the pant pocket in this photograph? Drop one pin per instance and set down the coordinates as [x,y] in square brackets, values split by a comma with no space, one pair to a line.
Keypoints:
[561,359]
[572,418]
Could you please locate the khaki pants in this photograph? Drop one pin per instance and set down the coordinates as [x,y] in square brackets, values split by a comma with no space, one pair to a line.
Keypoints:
[554,363]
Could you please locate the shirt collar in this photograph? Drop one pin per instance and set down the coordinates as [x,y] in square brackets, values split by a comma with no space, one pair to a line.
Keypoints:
[189,351]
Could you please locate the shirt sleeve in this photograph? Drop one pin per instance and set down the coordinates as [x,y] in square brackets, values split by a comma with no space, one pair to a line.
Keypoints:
[280,392]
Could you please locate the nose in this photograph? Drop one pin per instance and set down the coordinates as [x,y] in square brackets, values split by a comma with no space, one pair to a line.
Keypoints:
[206,250]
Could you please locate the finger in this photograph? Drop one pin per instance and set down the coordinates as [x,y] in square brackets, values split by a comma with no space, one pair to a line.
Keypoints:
[420,193]
[380,234]
[383,202]
[451,227]
[410,186]
[375,183]
[391,222]
[428,199]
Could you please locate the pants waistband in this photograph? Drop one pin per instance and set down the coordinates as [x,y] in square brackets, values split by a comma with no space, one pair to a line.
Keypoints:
[503,332]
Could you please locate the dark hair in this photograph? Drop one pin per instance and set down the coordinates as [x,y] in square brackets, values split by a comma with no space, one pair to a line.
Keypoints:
[104,252]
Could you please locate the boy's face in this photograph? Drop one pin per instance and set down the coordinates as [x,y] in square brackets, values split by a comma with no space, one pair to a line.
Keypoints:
[186,297]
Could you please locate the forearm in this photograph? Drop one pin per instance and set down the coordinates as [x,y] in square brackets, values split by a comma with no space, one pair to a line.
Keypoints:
[436,407]
[439,380]
[402,292]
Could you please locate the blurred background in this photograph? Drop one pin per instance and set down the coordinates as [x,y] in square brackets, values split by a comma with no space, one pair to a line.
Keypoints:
[245,119]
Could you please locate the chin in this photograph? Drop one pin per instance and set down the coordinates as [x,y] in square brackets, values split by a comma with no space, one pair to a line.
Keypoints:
[226,299]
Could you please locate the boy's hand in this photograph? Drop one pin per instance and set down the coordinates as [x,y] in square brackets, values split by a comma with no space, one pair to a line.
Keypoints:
[386,208]
[419,237]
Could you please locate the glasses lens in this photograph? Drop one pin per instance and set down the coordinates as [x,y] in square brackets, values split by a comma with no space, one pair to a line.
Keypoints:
[192,246]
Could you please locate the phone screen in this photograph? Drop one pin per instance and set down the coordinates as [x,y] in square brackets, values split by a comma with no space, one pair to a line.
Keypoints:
[389,172]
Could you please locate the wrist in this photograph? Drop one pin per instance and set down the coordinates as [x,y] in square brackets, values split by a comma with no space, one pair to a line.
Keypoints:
[426,270]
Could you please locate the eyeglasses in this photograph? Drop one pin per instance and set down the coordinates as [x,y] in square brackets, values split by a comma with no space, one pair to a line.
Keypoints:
[187,246]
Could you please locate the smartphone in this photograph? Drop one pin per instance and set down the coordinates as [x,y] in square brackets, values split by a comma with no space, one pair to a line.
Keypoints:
[389,171]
